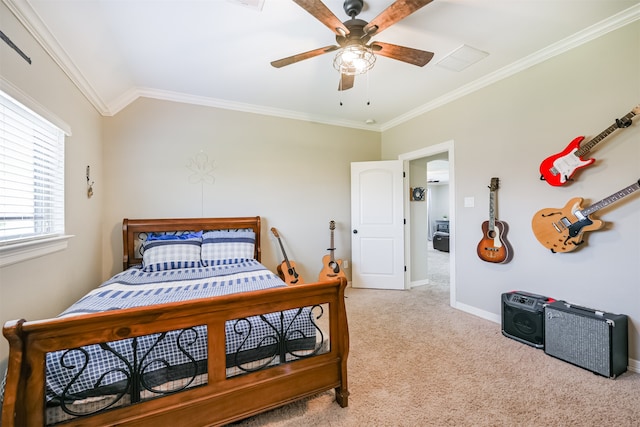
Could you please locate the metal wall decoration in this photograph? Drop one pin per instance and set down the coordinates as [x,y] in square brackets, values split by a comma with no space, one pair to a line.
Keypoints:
[89,183]
[201,173]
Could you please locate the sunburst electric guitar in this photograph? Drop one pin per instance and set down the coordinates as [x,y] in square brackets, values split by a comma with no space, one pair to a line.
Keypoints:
[558,169]
[287,269]
[494,246]
[331,268]
[561,230]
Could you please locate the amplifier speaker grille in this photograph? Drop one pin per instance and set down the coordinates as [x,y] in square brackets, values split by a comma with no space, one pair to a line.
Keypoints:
[522,317]
[592,340]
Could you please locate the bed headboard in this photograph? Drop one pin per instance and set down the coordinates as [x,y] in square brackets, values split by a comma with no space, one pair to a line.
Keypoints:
[134,232]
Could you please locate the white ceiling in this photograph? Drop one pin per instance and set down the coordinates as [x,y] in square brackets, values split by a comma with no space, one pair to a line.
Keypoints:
[218,52]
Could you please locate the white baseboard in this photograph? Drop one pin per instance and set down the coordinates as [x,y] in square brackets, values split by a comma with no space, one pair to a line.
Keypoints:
[477,312]
[418,283]
[632,366]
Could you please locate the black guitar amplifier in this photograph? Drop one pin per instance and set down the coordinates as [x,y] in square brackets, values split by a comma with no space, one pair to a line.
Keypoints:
[523,317]
[587,338]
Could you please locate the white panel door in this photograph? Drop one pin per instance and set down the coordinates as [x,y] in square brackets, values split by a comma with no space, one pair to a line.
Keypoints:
[377,225]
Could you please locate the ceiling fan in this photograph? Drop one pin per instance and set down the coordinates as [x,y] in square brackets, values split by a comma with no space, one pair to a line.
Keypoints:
[352,36]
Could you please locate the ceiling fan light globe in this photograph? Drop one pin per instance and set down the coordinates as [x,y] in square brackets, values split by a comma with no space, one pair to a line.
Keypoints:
[354,59]
[349,55]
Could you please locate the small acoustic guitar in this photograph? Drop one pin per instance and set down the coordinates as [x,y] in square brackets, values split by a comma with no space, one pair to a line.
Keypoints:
[331,268]
[558,169]
[494,246]
[287,269]
[561,230]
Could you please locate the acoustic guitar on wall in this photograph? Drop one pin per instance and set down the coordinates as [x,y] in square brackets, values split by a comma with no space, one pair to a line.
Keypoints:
[331,268]
[287,269]
[558,169]
[493,246]
[561,230]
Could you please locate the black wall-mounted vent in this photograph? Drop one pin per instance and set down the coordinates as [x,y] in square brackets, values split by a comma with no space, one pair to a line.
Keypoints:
[13,46]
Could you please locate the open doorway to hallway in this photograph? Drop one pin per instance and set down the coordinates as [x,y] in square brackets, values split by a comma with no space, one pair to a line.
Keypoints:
[438,247]
[433,216]
[429,220]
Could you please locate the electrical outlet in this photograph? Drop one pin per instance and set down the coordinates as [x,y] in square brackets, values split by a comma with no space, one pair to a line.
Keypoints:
[345,263]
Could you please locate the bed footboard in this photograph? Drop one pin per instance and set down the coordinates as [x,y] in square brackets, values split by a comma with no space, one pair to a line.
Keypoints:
[228,387]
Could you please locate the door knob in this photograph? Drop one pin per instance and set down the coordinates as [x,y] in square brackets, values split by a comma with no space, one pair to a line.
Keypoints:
[355,231]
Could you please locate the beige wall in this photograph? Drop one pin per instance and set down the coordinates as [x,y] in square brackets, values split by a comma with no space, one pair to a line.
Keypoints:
[45,286]
[294,174]
[506,130]
[419,224]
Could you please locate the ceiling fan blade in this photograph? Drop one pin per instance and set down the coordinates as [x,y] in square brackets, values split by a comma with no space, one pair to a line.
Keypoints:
[401,53]
[346,81]
[302,56]
[324,15]
[397,11]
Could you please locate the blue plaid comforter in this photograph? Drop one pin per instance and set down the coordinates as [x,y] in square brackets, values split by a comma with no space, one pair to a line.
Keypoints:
[73,373]
[136,288]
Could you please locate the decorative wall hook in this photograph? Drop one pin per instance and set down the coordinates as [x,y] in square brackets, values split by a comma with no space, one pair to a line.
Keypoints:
[89,183]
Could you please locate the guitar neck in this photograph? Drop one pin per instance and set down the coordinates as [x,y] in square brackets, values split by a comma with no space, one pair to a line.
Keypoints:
[586,147]
[611,199]
[284,254]
[332,248]
[492,210]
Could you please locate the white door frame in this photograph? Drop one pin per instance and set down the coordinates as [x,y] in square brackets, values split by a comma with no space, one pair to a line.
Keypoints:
[445,147]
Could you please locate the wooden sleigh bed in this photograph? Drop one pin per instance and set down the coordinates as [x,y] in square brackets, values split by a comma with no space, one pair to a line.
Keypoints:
[289,342]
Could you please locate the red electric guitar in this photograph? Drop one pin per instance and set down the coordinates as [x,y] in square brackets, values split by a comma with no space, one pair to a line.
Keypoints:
[561,230]
[494,246]
[559,168]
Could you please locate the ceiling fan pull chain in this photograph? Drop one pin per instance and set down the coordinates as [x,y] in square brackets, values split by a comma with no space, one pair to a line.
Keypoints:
[368,97]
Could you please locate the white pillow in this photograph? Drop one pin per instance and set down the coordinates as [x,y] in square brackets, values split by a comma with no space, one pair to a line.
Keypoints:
[164,254]
[227,246]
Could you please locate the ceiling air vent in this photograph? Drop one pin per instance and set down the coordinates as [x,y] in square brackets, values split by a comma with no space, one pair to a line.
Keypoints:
[251,4]
[461,58]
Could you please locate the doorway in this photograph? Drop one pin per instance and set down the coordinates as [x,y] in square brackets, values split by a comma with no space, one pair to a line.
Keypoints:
[418,228]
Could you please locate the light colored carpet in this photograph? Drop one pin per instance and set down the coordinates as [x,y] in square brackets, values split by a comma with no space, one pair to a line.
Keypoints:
[415,361]
[437,267]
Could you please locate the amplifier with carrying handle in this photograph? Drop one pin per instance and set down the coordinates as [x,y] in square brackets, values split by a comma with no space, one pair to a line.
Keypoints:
[522,317]
[591,339]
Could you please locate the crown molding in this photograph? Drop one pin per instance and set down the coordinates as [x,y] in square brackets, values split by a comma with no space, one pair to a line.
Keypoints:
[599,29]
[138,92]
[32,22]
[29,18]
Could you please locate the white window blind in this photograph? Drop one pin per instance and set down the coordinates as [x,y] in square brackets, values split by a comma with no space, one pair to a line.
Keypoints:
[31,174]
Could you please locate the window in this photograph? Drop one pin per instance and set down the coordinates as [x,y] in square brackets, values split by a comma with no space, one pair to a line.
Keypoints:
[31,175]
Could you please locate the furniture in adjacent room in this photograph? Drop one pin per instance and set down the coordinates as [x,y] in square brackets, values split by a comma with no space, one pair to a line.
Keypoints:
[441,236]
[441,241]
[442,225]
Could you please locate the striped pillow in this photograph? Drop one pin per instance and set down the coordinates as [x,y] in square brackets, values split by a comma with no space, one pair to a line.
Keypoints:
[164,254]
[227,247]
